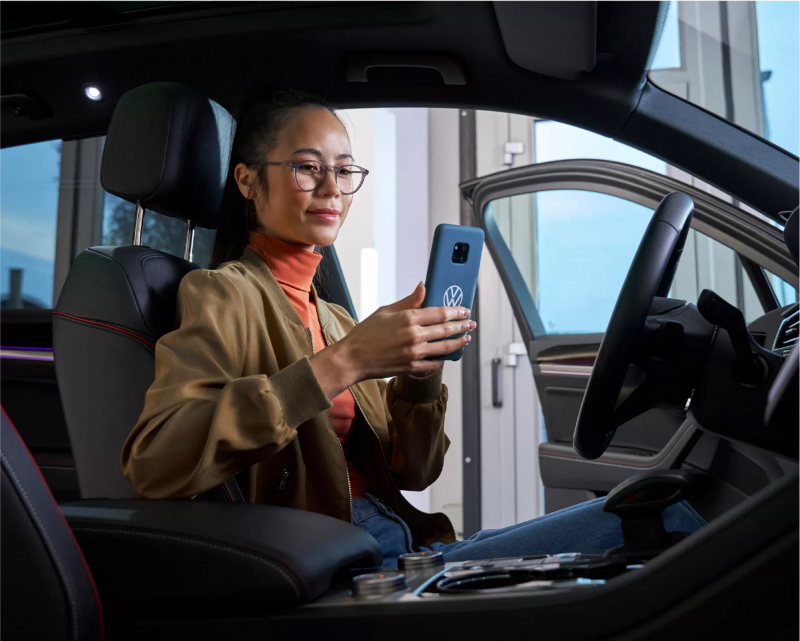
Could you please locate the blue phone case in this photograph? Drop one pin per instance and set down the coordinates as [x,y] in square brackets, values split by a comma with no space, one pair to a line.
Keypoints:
[448,283]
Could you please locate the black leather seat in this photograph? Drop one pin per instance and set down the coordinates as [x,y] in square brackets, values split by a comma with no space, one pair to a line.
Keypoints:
[154,558]
[167,149]
[47,589]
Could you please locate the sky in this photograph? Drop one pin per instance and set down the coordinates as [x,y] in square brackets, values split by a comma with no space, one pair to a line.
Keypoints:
[779,52]
[29,204]
[585,240]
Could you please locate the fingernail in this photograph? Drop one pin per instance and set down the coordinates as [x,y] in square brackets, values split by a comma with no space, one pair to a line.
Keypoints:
[468,338]
[465,312]
[473,324]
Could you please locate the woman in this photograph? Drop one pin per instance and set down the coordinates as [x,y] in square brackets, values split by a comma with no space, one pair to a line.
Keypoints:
[263,376]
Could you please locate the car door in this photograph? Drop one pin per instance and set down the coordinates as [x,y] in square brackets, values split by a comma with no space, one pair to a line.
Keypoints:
[562,235]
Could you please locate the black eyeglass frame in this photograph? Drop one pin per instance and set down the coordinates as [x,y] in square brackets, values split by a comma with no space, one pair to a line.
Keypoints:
[336,169]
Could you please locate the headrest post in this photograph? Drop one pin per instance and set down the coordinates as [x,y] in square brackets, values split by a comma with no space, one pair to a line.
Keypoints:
[188,245]
[137,226]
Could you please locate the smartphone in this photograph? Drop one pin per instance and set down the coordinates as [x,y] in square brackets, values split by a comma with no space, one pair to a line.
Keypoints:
[453,271]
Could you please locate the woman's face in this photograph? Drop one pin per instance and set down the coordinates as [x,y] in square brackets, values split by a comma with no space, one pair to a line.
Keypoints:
[304,218]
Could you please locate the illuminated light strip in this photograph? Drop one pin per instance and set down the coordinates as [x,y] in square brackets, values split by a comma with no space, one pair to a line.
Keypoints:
[36,349]
[27,353]
[566,370]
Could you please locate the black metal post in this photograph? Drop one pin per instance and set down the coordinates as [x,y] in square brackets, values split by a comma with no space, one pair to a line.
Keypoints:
[470,368]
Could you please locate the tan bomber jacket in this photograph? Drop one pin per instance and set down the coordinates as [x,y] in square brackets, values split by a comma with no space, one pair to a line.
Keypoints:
[234,389]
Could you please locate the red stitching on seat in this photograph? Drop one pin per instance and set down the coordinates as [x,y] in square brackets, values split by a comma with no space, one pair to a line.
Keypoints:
[116,329]
[66,525]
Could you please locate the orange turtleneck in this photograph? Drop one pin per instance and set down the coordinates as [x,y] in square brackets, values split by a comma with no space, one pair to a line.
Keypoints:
[294,269]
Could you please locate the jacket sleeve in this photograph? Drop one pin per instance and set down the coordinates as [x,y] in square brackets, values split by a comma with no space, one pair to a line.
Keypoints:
[416,408]
[203,421]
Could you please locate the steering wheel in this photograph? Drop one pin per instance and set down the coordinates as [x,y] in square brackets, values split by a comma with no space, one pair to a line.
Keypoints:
[650,275]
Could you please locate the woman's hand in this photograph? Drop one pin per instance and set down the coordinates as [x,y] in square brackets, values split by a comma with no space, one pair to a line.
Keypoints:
[394,340]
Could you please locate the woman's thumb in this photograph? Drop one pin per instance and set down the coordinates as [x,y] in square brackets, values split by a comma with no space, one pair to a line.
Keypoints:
[412,301]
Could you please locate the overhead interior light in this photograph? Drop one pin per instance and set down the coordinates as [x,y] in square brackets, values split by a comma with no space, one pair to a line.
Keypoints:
[93,93]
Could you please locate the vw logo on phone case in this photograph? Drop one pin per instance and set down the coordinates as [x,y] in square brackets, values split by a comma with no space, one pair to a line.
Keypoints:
[453,296]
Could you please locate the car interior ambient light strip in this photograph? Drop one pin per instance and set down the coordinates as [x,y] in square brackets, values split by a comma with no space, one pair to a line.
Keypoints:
[27,353]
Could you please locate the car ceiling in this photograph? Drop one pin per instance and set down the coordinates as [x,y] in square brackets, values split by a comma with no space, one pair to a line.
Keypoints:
[230,50]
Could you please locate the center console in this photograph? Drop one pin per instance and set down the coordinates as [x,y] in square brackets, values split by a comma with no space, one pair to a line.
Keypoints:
[440,580]
[638,502]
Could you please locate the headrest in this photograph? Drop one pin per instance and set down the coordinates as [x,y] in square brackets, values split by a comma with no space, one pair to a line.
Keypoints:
[168,146]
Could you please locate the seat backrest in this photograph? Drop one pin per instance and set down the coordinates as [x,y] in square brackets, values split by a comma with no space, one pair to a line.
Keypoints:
[47,590]
[115,305]
[167,148]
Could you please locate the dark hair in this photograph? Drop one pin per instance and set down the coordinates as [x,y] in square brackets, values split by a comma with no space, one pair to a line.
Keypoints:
[257,133]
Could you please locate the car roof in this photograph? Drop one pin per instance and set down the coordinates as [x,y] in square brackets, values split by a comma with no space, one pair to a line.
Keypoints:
[229,50]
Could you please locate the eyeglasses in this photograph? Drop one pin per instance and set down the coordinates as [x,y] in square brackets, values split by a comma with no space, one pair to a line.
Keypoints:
[311,174]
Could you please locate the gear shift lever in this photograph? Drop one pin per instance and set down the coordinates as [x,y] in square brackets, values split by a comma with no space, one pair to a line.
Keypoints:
[639,502]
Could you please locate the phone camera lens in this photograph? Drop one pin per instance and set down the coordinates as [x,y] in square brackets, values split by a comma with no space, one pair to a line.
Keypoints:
[460,253]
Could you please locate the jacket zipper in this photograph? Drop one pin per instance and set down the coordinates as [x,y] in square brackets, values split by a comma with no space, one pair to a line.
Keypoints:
[284,476]
[281,484]
[372,429]
[386,463]
[344,458]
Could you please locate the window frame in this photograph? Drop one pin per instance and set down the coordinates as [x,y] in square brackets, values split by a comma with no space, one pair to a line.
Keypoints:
[750,237]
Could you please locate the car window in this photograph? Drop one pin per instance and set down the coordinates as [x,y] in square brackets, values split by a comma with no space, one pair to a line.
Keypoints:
[159,232]
[35,255]
[784,292]
[738,60]
[29,191]
[574,249]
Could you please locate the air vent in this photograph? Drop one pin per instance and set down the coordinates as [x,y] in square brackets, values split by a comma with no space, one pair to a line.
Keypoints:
[787,333]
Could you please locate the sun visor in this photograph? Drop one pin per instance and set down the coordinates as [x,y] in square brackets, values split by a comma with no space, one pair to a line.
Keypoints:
[557,39]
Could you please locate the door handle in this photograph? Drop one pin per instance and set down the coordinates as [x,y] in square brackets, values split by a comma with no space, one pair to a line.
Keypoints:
[450,70]
[497,382]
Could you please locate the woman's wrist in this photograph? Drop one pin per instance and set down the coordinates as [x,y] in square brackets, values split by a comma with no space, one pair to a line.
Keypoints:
[343,361]
[335,369]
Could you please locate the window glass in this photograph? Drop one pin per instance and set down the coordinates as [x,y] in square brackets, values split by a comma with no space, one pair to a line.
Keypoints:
[159,232]
[708,264]
[784,292]
[29,185]
[668,54]
[583,244]
[574,249]
[556,141]
[779,62]
[739,60]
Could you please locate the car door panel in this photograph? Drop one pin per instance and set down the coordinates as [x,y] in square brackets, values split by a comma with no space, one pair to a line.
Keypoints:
[31,399]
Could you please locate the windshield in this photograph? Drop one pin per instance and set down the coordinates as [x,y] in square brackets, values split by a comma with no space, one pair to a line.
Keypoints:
[738,60]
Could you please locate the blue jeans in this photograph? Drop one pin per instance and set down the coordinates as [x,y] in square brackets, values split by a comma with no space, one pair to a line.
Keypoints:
[580,528]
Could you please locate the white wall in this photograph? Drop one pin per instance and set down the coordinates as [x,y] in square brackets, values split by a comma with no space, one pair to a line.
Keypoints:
[384,205]
[357,232]
[413,193]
